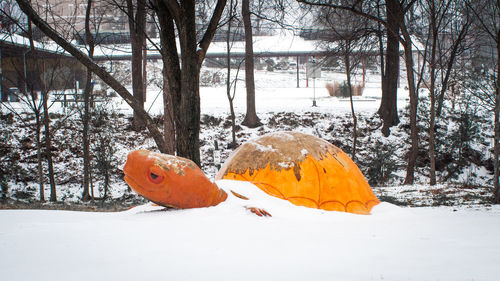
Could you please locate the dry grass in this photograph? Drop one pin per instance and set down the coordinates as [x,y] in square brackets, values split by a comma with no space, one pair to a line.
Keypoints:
[334,89]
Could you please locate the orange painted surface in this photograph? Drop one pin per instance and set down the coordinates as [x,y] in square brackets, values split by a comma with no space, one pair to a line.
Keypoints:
[302,169]
[333,183]
[170,181]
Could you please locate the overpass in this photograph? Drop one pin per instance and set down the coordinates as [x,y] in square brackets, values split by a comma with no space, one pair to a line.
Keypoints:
[264,46]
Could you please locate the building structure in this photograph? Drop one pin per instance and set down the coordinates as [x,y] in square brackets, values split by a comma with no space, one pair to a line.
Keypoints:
[27,71]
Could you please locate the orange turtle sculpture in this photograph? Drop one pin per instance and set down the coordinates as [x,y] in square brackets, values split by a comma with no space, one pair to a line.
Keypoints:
[170,181]
[300,168]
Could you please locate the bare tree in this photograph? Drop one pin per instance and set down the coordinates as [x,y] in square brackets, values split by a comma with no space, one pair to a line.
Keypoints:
[41,72]
[99,71]
[230,96]
[27,94]
[390,19]
[251,119]
[183,72]
[351,36]
[458,23]
[396,22]
[136,12]
[44,83]
[441,49]
[86,101]
[34,103]
[388,106]
[487,14]
[167,34]
[434,27]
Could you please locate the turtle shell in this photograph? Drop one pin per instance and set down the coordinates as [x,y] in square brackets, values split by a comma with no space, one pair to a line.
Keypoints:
[303,169]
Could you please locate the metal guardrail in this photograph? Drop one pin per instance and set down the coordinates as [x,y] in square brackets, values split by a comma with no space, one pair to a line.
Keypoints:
[66,99]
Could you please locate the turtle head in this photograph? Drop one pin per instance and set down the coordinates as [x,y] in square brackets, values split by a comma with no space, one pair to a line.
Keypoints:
[170,181]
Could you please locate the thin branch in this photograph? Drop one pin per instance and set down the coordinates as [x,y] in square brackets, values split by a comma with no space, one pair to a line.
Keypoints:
[481,21]
[211,29]
[347,8]
[175,10]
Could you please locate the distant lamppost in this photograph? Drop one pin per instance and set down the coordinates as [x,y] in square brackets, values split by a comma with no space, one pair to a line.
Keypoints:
[313,71]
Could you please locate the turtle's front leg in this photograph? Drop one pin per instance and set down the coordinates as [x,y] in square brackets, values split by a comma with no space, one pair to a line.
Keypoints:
[258,211]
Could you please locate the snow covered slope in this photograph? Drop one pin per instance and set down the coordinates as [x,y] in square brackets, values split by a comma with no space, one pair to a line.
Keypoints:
[227,242]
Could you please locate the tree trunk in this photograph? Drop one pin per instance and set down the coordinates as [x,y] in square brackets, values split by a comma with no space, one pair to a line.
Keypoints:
[251,119]
[86,141]
[137,27]
[192,55]
[188,113]
[168,116]
[48,144]
[432,126]
[40,66]
[497,120]
[38,121]
[106,186]
[228,80]
[188,117]
[432,121]
[86,108]
[39,155]
[412,157]
[171,74]
[137,82]
[388,106]
[347,63]
[380,38]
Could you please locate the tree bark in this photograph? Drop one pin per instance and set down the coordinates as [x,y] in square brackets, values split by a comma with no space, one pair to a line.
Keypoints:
[347,62]
[251,119]
[168,116]
[186,72]
[46,119]
[137,27]
[497,117]
[48,143]
[39,155]
[412,157]
[380,38]
[228,80]
[388,110]
[86,109]
[188,113]
[38,124]
[171,74]
[432,119]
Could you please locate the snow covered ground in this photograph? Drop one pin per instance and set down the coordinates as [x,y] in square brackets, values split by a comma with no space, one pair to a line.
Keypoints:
[227,242]
[278,92]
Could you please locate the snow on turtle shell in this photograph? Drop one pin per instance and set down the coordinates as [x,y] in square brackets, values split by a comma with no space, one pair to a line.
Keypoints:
[303,169]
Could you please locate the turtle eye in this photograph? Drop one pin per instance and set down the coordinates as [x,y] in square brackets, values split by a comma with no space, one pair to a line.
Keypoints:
[155,175]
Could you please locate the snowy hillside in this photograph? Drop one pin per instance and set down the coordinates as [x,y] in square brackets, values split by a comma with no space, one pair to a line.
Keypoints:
[281,106]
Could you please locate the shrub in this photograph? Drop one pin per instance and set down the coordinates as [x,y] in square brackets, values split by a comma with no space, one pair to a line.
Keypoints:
[212,78]
[9,163]
[380,163]
[103,148]
[333,89]
[337,90]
